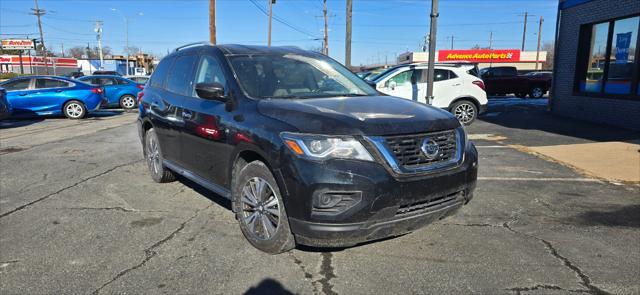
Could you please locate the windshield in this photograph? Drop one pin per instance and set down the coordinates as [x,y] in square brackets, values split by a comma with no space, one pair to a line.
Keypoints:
[296,76]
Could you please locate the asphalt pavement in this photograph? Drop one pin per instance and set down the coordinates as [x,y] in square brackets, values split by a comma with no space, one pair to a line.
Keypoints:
[79,214]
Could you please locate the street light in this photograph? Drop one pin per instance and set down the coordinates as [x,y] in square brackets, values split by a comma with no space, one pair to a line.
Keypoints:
[126,33]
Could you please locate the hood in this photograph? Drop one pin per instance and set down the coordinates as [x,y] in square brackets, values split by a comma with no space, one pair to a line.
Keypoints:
[366,115]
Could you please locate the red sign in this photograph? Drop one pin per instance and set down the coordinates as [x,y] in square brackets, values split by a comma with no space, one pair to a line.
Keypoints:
[38,61]
[480,55]
[18,44]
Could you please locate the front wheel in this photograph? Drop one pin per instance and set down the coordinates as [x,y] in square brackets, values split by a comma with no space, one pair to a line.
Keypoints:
[465,111]
[536,92]
[260,211]
[128,102]
[74,110]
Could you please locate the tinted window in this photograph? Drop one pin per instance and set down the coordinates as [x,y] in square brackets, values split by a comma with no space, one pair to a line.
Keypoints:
[160,73]
[104,81]
[50,83]
[122,81]
[179,80]
[19,84]
[210,71]
[504,72]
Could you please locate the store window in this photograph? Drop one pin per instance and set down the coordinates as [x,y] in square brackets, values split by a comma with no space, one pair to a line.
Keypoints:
[622,57]
[609,64]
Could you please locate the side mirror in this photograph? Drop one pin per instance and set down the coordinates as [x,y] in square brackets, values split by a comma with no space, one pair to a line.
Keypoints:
[393,85]
[211,91]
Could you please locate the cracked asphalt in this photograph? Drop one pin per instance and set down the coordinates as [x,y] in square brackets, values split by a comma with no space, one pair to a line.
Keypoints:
[79,214]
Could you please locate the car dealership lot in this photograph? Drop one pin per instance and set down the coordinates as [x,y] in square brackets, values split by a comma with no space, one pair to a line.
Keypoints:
[80,214]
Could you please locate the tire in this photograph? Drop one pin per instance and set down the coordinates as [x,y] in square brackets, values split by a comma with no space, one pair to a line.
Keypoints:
[259,210]
[128,102]
[521,95]
[74,110]
[153,156]
[537,92]
[465,111]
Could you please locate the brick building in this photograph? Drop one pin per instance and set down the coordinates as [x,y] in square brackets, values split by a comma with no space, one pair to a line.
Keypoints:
[596,66]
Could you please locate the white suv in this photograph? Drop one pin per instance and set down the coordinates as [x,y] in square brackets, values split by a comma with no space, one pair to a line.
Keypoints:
[456,87]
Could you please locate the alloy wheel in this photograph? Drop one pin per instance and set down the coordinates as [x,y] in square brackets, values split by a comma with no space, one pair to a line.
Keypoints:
[74,110]
[536,92]
[153,155]
[128,102]
[260,208]
[465,113]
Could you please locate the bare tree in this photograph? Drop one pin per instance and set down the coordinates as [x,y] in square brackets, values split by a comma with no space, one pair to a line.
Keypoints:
[91,53]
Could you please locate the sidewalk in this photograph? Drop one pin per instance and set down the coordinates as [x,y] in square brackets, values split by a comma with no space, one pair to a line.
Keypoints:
[614,161]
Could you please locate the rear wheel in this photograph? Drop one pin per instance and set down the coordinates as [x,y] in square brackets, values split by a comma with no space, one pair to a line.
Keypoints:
[536,92]
[465,111]
[153,155]
[127,102]
[74,110]
[260,211]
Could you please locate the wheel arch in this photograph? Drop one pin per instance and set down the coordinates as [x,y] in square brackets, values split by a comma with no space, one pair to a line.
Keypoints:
[467,98]
[246,154]
[72,99]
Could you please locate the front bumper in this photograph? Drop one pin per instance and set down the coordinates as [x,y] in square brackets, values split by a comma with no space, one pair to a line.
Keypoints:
[483,109]
[386,205]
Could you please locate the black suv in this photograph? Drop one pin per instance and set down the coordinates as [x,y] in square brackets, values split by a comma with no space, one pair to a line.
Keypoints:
[306,151]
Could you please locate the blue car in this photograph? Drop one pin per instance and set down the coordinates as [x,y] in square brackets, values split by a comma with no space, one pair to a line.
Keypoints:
[52,95]
[119,91]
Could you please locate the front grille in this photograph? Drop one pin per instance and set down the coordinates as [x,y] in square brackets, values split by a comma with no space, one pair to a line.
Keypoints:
[406,149]
[425,205]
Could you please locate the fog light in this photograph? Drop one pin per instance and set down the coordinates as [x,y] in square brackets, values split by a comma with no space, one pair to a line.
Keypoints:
[332,202]
[328,201]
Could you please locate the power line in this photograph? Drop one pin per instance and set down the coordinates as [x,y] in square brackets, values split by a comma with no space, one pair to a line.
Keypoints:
[280,20]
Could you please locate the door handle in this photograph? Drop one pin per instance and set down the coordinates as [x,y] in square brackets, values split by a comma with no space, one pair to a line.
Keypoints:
[187,114]
[22,94]
[458,84]
[59,90]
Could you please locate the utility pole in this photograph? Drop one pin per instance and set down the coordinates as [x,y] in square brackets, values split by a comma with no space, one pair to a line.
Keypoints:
[271,2]
[452,42]
[38,13]
[347,49]
[432,49]
[539,38]
[212,21]
[325,46]
[98,31]
[62,49]
[490,48]
[524,31]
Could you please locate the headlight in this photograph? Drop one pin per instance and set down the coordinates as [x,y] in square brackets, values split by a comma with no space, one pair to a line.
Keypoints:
[319,147]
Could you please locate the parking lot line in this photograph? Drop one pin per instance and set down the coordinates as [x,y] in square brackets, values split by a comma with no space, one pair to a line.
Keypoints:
[560,179]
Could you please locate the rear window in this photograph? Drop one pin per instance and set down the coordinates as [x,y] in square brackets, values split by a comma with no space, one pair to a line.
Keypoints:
[50,83]
[180,76]
[160,73]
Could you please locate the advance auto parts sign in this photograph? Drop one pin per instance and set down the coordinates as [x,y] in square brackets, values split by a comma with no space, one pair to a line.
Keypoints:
[480,55]
[18,44]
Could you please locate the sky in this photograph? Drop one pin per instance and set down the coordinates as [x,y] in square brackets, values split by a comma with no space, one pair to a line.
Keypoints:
[382,29]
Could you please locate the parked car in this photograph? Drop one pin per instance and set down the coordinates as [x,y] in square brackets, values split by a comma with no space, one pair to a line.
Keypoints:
[455,88]
[113,73]
[505,80]
[52,95]
[5,106]
[138,79]
[119,91]
[364,75]
[306,151]
[73,75]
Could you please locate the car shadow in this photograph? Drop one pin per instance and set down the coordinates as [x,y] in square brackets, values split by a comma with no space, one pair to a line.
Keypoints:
[19,122]
[218,199]
[268,286]
[627,216]
[28,118]
[532,114]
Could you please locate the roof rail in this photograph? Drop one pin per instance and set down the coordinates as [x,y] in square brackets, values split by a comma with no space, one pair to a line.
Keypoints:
[192,44]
